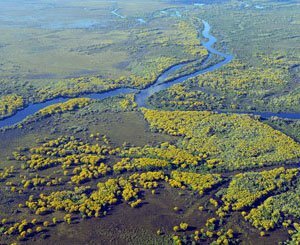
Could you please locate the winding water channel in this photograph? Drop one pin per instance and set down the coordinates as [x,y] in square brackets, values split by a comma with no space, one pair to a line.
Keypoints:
[143,95]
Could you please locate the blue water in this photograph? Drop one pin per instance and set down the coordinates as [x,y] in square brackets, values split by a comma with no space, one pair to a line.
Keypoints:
[142,97]
[111,93]
[33,108]
[30,110]
[267,115]
[142,21]
[114,12]
[159,85]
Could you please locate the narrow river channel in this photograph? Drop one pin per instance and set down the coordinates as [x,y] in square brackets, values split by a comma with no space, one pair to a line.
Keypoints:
[142,96]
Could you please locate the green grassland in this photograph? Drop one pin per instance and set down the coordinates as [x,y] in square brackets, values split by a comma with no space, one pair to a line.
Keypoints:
[79,40]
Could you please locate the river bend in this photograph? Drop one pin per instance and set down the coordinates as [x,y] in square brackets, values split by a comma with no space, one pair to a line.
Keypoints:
[142,96]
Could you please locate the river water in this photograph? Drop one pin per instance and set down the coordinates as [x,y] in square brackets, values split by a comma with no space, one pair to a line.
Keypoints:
[143,95]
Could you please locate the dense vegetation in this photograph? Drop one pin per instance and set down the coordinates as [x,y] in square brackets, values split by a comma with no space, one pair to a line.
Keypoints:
[246,189]
[178,173]
[236,87]
[9,104]
[230,141]
[70,105]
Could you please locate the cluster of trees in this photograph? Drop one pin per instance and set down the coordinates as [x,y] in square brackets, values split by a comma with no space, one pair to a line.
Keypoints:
[94,203]
[147,180]
[195,181]
[225,237]
[29,183]
[166,151]
[70,105]
[80,161]
[64,151]
[73,87]
[6,173]
[128,103]
[146,71]
[28,228]
[276,210]
[89,171]
[76,200]
[278,59]
[77,160]
[190,42]
[142,163]
[240,78]
[247,188]
[211,224]
[238,86]
[295,235]
[23,229]
[231,141]
[286,102]
[187,97]
[129,192]
[181,227]
[9,104]
[212,230]
[166,156]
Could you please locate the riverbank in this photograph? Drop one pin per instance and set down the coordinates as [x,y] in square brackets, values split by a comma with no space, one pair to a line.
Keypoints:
[143,95]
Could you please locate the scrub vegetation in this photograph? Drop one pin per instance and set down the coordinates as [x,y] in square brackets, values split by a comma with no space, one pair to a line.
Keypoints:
[189,168]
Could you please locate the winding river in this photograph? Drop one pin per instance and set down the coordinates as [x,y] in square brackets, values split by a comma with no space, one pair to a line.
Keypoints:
[143,95]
